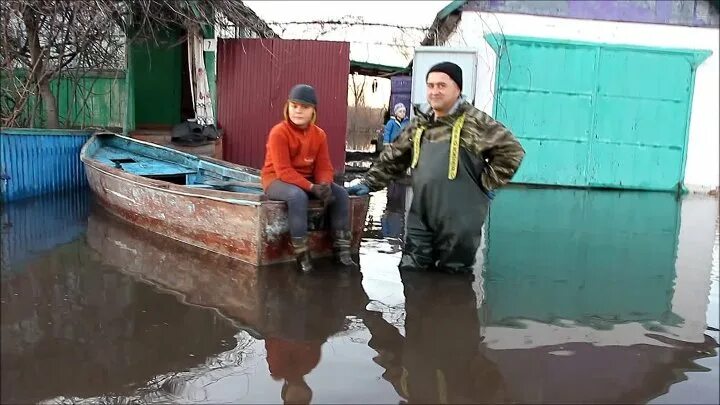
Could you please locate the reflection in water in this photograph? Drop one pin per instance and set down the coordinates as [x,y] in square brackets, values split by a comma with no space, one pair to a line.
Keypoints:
[301,314]
[585,298]
[439,360]
[32,226]
[71,326]
[293,313]
[444,358]
[581,285]
[584,284]
[595,258]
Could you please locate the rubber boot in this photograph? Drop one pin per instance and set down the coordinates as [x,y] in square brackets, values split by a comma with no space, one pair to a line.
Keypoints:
[302,254]
[341,243]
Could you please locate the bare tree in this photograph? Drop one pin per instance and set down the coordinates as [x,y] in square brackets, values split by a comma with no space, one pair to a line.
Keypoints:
[402,47]
[358,90]
[41,39]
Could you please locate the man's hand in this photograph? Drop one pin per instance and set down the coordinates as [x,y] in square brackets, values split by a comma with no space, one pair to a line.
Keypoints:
[358,189]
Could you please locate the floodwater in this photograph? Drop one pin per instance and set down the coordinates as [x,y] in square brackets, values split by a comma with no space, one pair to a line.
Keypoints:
[578,297]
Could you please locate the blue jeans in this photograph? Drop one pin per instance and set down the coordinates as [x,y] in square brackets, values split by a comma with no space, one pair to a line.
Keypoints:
[297,201]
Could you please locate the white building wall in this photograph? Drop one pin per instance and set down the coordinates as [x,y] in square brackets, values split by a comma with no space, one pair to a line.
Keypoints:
[373,99]
[703,161]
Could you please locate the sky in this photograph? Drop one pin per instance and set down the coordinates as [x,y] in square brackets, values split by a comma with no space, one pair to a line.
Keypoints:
[367,43]
[383,45]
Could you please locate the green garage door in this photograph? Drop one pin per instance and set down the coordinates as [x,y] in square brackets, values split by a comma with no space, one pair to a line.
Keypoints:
[596,115]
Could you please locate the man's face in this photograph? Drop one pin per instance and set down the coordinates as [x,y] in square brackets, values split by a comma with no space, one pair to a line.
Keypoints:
[442,92]
[300,114]
[400,114]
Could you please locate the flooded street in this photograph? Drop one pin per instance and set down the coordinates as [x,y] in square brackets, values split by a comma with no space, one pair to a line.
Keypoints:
[578,297]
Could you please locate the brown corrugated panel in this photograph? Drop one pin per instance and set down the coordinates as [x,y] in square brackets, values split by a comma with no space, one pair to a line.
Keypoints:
[254,78]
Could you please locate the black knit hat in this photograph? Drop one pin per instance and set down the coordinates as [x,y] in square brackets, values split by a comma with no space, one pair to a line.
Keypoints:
[303,93]
[449,69]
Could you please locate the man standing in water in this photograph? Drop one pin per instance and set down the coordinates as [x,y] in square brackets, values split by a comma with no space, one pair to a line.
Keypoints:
[459,156]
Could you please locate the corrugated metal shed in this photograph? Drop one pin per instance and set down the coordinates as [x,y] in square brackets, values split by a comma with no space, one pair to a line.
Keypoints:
[39,161]
[400,91]
[254,78]
[36,225]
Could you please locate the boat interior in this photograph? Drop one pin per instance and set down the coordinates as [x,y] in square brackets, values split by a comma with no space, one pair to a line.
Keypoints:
[172,166]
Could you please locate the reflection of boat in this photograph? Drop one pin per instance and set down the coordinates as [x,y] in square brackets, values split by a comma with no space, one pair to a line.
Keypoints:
[212,204]
[73,327]
[294,314]
[252,298]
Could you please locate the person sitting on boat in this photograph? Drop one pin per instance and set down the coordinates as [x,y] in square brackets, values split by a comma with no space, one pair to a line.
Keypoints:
[459,156]
[297,167]
[395,125]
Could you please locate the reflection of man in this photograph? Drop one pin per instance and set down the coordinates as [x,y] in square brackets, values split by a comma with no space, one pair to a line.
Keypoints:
[439,359]
[459,155]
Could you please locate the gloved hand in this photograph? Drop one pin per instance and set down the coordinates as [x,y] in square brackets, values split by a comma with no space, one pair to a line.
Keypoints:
[358,189]
[329,197]
[322,192]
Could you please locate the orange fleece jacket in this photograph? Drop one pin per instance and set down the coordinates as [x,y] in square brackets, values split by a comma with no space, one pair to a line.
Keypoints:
[297,156]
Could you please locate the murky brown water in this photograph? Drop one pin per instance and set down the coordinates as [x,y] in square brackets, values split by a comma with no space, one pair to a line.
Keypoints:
[594,297]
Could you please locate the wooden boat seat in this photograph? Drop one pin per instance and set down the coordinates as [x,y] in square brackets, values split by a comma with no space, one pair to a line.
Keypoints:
[138,164]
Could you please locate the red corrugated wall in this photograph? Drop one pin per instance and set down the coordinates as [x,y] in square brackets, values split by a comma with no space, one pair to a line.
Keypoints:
[254,78]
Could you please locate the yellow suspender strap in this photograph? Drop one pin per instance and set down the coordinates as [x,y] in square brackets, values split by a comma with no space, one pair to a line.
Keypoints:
[455,147]
[416,146]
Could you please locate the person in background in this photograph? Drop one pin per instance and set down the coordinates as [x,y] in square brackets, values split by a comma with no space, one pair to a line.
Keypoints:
[297,167]
[458,155]
[395,124]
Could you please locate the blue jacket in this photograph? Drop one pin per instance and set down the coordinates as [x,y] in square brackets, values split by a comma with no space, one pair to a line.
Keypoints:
[393,129]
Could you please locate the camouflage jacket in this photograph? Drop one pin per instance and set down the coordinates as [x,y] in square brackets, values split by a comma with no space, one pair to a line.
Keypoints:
[481,135]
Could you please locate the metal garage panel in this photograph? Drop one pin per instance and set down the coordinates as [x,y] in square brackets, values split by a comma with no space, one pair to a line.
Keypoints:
[596,115]
[550,109]
[547,66]
[554,130]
